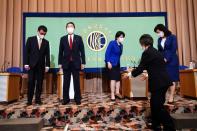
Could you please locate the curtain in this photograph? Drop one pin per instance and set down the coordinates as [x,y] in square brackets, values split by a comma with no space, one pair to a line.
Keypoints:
[182,21]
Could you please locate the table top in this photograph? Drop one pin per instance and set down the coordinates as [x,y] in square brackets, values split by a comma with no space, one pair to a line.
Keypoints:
[9,74]
[61,73]
[188,70]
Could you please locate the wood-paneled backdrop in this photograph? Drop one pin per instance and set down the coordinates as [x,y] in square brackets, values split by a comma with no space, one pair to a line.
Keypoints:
[182,19]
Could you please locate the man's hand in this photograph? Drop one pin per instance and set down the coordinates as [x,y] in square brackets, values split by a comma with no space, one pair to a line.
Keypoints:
[82,66]
[60,68]
[143,76]
[46,69]
[109,65]
[27,67]
[165,60]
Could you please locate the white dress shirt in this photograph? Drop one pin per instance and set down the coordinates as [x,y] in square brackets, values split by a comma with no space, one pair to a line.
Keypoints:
[163,42]
[39,41]
[72,36]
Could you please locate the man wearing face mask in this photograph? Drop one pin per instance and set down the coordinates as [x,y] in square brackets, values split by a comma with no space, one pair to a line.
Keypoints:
[71,60]
[36,62]
[112,59]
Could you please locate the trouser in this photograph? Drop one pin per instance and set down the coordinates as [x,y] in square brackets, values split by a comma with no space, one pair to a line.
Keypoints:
[35,79]
[66,84]
[158,112]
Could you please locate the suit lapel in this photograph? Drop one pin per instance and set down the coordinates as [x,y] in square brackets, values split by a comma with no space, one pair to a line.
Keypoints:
[36,42]
[161,45]
[42,44]
[119,47]
[74,40]
[67,42]
[165,43]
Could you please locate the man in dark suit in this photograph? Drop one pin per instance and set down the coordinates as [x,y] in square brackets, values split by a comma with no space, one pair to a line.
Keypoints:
[71,60]
[158,81]
[37,62]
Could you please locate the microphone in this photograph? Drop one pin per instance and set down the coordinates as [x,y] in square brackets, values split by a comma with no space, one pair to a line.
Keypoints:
[4,66]
[7,66]
[133,62]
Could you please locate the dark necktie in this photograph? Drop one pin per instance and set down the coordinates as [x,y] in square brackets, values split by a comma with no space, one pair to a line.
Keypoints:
[71,42]
[71,46]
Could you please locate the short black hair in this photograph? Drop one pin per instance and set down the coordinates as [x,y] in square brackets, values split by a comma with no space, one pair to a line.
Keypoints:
[161,27]
[146,40]
[70,23]
[42,27]
[119,33]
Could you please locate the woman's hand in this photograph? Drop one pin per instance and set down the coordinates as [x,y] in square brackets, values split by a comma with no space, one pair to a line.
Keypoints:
[109,65]
[126,75]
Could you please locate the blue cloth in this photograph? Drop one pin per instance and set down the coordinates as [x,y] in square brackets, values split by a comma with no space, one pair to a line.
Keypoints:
[182,67]
[169,53]
[14,70]
[113,53]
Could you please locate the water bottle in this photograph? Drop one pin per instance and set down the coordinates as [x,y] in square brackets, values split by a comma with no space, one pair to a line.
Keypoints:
[191,65]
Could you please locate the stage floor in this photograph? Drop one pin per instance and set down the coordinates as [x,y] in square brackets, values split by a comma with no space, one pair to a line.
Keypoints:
[96,112]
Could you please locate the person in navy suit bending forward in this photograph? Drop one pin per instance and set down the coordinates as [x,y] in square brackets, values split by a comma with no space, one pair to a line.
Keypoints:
[167,45]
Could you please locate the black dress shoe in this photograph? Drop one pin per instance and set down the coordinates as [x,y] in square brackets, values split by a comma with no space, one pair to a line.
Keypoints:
[113,99]
[118,96]
[170,102]
[39,102]
[158,128]
[65,102]
[29,103]
[168,129]
[78,103]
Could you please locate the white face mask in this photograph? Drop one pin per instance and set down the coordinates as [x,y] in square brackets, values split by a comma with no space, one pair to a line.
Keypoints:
[160,34]
[120,39]
[70,30]
[41,36]
[143,48]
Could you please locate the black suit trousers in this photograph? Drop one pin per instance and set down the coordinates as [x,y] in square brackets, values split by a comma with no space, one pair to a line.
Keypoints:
[158,112]
[36,76]
[66,84]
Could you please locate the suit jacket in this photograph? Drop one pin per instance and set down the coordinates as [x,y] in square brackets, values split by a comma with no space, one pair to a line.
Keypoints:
[113,53]
[77,53]
[154,63]
[35,56]
[169,50]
